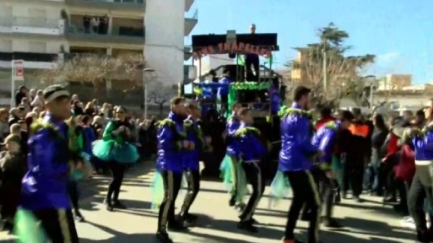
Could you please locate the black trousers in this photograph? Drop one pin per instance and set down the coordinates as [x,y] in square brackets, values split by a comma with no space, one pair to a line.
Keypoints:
[117,172]
[327,189]
[58,224]
[224,103]
[193,180]
[172,183]
[255,179]
[74,195]
[418,195]
[353,177]
[304,192]
[235,182]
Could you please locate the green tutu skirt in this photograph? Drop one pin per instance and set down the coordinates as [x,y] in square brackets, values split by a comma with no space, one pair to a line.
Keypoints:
[234,178]
[280,188]
[112,151]
[158,190]
[27,228]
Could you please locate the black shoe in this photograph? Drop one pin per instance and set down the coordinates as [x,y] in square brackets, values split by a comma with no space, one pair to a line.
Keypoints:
[118,204]
[190,217]
[176,226]
[423,237]
[7,226]
[254,221]
[79,217]
[247,226]
[109,205]
[232,202]
[332,223]
[163,237]
[337,199]
[189,220]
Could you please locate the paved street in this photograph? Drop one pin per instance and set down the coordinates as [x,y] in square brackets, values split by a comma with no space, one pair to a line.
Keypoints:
[369,221]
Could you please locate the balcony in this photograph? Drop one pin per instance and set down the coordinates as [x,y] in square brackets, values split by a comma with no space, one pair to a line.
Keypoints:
[188,4]
[31,60]
[126,5]
[34,26]
[125,35]
[188,52]
[191,22]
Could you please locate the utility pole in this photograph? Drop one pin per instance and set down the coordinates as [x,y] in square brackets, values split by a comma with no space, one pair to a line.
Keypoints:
[145,88]
[325,72]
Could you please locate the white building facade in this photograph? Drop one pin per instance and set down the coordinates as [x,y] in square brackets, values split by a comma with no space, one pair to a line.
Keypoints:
[42,32]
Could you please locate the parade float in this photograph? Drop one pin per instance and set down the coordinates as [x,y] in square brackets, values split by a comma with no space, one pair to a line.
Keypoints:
[262,91]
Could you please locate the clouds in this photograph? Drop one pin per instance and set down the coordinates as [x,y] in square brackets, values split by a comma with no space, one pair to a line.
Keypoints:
[387,58]
[390,62]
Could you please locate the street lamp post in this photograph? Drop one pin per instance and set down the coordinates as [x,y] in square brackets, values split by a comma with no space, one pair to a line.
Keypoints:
[145,82]
[371,89]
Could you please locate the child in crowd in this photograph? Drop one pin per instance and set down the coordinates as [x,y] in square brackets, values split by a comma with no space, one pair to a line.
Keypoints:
[13,168]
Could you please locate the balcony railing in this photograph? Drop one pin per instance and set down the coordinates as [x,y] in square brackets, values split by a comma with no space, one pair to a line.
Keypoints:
[115,4]
[124,34]
[29,22]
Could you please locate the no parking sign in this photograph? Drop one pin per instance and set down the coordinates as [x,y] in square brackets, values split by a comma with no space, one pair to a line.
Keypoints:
[18,70]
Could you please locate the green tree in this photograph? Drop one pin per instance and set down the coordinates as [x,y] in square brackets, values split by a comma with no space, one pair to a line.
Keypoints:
[328,58]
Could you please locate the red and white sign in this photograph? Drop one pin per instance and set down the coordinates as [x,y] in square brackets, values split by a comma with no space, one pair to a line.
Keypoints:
[18,70]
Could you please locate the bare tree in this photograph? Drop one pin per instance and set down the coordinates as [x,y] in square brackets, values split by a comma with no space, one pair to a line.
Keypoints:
[328,58]
[160,95]
[96,68]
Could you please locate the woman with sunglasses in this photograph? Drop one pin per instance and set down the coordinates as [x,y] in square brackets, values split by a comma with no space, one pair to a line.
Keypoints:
[116,149]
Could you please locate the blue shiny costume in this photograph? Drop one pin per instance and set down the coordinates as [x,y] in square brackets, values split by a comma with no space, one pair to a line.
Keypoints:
[191,157]
[46,183]
[296,147]
[170,134]
[324,139]
[251,151]
[167,182]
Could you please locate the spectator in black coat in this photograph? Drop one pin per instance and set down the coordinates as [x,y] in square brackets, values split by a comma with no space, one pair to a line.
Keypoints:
[20,94]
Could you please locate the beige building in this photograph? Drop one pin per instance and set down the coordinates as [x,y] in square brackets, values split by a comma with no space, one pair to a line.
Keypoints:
[395,82]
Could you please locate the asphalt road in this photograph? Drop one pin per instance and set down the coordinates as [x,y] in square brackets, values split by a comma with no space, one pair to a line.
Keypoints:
[369,221]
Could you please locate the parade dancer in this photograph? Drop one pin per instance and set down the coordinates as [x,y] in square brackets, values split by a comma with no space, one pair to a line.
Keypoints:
[116,149]
[229,165]
[329,165]
[191,160]
[45,193]
[172,142]
[76,151]
[251,152]
[421,187]
[295,162]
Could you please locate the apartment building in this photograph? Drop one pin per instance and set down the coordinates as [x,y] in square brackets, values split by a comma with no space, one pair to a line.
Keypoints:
[43,32]
[395,82]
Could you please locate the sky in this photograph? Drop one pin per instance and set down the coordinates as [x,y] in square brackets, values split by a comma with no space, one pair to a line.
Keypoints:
[398,32]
